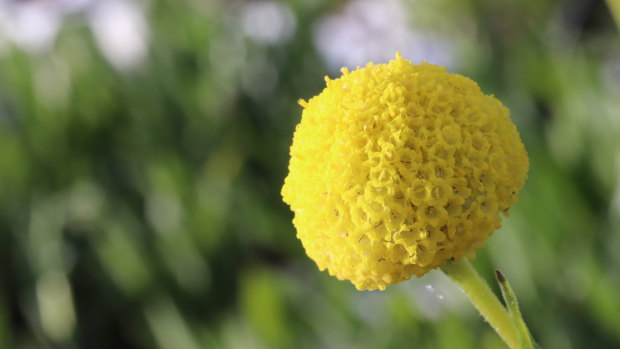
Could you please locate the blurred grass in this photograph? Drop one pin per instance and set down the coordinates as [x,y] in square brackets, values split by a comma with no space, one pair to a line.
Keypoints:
[141,209]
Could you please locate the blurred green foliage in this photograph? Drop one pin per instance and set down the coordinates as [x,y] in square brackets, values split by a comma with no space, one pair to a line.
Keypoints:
[141,208]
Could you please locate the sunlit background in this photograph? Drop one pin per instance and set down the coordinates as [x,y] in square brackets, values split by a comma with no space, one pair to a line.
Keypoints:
[143,145]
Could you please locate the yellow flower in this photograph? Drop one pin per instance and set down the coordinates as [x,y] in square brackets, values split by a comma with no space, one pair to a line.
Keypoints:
[397,169]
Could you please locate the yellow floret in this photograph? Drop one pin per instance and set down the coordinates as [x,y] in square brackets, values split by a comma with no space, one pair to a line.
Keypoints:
[397,169]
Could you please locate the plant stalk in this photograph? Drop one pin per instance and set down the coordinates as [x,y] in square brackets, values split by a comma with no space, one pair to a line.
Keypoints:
[481,296]
[614,7]
[523,334]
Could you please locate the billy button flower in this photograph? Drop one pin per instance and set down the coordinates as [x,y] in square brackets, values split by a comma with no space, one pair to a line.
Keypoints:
[397,169]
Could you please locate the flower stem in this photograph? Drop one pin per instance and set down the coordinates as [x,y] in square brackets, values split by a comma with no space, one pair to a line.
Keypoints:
[523,334]
[479,293]
[614,6]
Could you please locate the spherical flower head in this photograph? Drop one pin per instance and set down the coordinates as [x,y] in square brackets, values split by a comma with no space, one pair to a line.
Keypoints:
[397,169]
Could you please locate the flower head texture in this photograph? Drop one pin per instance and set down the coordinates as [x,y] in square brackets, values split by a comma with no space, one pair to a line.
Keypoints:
[397,169]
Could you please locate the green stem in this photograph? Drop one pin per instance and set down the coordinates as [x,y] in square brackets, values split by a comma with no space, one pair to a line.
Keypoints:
[614,7]
[525,338]
[479,293]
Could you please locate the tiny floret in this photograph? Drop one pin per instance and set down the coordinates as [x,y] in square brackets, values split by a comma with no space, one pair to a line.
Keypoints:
[397,169]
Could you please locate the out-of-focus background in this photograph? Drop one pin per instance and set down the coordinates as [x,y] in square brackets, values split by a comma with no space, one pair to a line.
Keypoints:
[143,145]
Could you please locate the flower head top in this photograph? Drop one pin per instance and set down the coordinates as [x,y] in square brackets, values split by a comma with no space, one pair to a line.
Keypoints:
[397,169]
